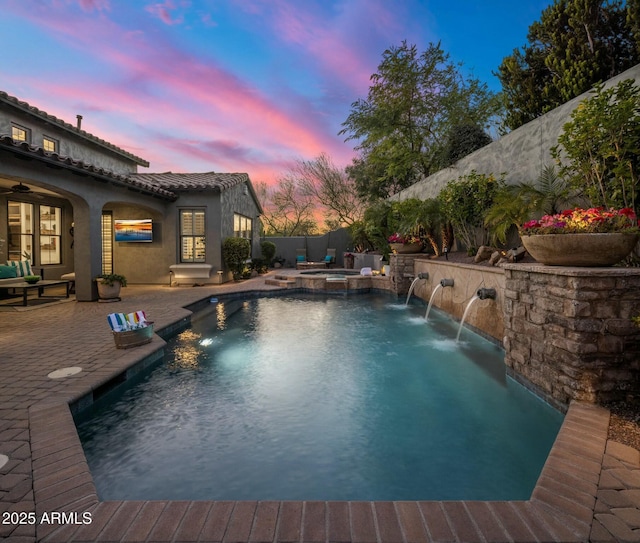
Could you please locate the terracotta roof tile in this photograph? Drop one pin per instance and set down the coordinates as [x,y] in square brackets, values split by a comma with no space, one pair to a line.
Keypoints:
[191,181]
[127,180]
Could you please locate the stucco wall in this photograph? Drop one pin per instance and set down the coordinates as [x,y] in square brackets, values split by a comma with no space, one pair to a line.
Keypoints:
[70,144]
[238,199]
[486,316]
[521,154]
[142,262]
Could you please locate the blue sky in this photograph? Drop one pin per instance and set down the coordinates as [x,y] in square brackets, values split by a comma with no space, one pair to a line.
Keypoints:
[233,85]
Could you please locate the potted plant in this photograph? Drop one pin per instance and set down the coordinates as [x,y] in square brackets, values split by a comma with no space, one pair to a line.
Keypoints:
[581,237]
[109,285]
[404,244]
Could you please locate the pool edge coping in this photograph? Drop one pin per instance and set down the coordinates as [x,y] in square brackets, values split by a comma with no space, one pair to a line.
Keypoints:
[561,506]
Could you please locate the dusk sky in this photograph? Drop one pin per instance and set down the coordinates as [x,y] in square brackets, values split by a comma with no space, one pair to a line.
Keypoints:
[233,85]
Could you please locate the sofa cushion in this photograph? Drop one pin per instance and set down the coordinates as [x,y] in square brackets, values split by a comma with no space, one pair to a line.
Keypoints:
[23,267]
[7,272]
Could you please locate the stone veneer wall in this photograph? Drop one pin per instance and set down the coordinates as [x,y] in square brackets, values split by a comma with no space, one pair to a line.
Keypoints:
[568,331]
[401,272]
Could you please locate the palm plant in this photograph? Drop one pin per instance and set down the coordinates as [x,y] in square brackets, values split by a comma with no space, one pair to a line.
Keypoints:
[515,204]
[421,218]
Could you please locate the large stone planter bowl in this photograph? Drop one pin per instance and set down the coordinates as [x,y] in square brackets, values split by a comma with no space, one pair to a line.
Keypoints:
[109,292]
[406,248]
[586,250]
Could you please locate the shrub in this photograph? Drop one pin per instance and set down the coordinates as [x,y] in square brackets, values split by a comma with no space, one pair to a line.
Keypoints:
[260,265]
[598,149]
[268,249]
[235,252]
[464,203]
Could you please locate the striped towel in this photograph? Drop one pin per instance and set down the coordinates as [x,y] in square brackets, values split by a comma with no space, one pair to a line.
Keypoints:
[137,319]
[118,322]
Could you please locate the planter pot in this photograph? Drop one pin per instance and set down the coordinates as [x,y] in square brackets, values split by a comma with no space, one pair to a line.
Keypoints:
[405,248]
[586,250]
[109,292]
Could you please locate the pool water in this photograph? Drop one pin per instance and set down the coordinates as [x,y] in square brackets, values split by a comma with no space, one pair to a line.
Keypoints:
[313,398]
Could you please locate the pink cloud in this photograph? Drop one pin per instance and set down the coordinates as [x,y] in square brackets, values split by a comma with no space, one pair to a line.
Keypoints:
[227,123]
[163,12]
[94,5]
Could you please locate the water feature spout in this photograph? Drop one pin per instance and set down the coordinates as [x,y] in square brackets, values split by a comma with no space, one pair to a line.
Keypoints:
[486,293]
[421,275]
[464,315]
[443,283]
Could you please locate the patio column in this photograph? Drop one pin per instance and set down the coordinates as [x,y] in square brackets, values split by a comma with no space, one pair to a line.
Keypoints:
[87,249]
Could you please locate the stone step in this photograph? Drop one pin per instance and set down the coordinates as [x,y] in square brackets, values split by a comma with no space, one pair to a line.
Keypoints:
[286,283]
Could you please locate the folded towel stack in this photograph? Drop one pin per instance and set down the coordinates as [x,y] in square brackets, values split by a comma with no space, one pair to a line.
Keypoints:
[120,322]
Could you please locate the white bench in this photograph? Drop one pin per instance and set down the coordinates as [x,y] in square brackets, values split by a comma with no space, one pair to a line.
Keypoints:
[190,273]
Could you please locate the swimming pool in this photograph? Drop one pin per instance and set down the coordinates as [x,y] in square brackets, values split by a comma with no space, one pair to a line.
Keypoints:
[306,397]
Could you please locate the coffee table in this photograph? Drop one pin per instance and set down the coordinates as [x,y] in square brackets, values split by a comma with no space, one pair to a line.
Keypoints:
[40,285]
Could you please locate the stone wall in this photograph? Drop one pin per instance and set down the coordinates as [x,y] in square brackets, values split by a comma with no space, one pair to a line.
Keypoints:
[401,272]
[568,331]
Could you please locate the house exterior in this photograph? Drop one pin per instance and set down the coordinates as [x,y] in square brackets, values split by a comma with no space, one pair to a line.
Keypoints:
[67,198]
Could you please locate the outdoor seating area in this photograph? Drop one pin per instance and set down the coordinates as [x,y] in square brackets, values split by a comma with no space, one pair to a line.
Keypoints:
[19,286]
[303,264]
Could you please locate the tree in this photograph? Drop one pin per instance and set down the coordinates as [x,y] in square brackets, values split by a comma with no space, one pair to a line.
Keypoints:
[463,140]
[288,211]
[576,44]
[401,127]
[598,150]
[332,188]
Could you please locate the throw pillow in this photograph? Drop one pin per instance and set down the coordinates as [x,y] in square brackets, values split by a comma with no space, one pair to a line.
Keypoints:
[23,267]
[7,272]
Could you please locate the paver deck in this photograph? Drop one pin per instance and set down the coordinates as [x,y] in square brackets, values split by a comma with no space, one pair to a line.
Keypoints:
[589,489]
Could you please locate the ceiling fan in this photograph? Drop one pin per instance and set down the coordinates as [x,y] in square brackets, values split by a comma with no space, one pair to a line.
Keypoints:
[20,188]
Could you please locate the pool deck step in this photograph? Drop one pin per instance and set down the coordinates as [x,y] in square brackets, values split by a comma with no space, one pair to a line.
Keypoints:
[281,282]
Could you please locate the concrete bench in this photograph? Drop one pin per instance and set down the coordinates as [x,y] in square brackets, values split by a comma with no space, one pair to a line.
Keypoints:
[190,273]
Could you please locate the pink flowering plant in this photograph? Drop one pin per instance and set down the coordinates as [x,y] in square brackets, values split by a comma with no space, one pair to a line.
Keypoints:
[399,238]
[596,220]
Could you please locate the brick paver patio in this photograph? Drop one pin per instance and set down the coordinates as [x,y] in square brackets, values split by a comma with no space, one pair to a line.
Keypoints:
[589,489]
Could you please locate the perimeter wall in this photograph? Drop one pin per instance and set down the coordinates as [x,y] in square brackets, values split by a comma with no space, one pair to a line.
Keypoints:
[521,154]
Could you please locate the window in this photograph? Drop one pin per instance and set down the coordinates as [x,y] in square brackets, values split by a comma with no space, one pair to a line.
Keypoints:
[49,144]
[20,216]
[242,226]
[19,133]
[192,235]
[50,234]
[107,243]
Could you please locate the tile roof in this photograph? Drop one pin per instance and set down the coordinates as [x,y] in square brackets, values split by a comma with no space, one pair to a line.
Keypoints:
[191,181]
[43,115]
[24,148]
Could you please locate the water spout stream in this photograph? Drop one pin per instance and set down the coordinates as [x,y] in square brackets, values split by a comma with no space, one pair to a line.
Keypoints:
[464,315]
[433,294]
[443,283]
[413,284]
